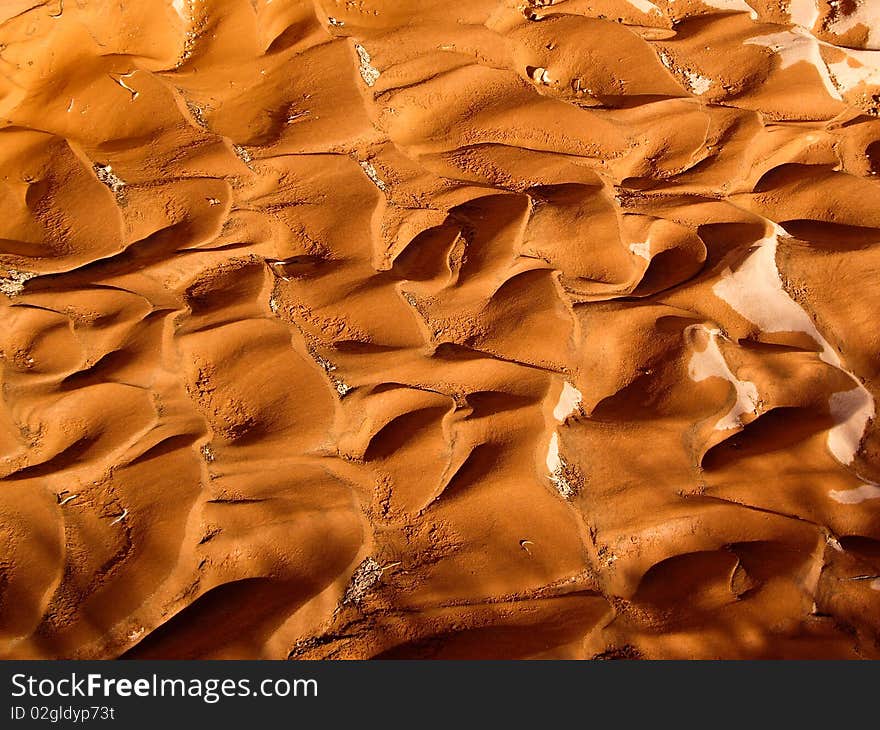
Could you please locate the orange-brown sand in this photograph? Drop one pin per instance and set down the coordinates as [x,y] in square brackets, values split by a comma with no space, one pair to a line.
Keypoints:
[464,329]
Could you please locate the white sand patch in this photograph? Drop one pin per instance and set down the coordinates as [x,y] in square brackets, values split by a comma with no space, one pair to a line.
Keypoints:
[804,13]
[568,403]
[851,410]
[105,174]
[369,73]
[756,292]
[373,175]
[554,460]
[794,46]
[734,5]
[556,469]
[540,75]
[645,6]
[12,281]
[641,249]
[867,13]
[711,363]
[856,495]
[695,82]
[699,84]
[364,578]
[569,400]
[858,67]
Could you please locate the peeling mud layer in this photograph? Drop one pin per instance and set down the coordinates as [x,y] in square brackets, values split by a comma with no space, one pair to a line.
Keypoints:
[464,329]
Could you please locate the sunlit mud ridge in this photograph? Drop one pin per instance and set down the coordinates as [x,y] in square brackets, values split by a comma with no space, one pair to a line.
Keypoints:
[459,330]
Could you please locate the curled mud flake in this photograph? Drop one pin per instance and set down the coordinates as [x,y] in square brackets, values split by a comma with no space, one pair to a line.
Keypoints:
[373,175]
[294,117]
[106,175]
[64,497]
[369,73]
[539,75]
[121,80]
[120,517]
[243,154]
[364,578]
[208,453]
[12,281]
[606,556]
[197,113]
[335,22]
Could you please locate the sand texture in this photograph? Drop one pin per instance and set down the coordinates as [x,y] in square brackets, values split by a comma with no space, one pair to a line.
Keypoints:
[466,329]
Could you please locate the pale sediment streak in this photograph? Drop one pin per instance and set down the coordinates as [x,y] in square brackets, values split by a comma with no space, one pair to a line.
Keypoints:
[799,44]
[856,67]
[856,495]
[105,174]
[804,13]
[364,578]
[643,250]
[709,363]
[645,6]
[867,14]
[13,281]
[736,5]
[756,292]
[569,400]
[568,403]
[369,73]
[373,175]
[698,83]
[794,46]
